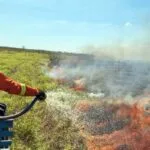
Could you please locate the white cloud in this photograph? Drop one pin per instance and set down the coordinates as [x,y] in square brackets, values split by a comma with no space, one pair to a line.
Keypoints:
[128,24]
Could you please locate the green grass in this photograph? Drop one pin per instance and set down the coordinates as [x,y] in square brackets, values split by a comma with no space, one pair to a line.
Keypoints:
[38,129]
[26,68]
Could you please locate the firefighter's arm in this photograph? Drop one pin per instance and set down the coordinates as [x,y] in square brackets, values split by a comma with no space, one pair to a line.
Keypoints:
[13,87]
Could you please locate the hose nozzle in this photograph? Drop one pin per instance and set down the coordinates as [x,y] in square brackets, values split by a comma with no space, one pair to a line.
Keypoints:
[41,96]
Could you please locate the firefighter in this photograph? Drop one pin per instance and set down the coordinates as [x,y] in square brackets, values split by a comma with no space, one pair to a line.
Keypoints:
[12,87]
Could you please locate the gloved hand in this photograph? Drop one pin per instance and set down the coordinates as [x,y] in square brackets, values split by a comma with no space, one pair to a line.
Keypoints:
[41,95]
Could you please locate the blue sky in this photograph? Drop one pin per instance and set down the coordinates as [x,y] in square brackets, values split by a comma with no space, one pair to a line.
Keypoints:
[69,25]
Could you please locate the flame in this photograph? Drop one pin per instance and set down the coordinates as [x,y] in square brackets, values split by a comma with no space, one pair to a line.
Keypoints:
[134,134]
[111,126]
[79,85]
[83,106]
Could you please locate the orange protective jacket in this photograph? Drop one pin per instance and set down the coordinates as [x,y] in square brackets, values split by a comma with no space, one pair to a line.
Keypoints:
[13,87]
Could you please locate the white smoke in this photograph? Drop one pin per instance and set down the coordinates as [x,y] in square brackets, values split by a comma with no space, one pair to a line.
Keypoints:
[135,50]
[107,77]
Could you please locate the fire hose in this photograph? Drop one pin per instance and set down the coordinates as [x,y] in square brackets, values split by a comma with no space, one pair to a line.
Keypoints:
[22,112]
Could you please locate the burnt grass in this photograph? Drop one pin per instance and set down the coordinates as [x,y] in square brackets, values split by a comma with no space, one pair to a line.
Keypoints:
[99,120]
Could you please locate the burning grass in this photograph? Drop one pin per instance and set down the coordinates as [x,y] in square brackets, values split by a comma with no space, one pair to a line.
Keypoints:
[115,126]
[105,125]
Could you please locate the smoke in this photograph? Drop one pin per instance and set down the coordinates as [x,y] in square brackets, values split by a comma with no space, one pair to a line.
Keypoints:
[135,50]
[106,77]
[132,43]
[110,122]
[118,69]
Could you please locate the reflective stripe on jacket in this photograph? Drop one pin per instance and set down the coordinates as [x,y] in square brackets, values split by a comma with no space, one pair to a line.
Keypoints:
[13,87]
